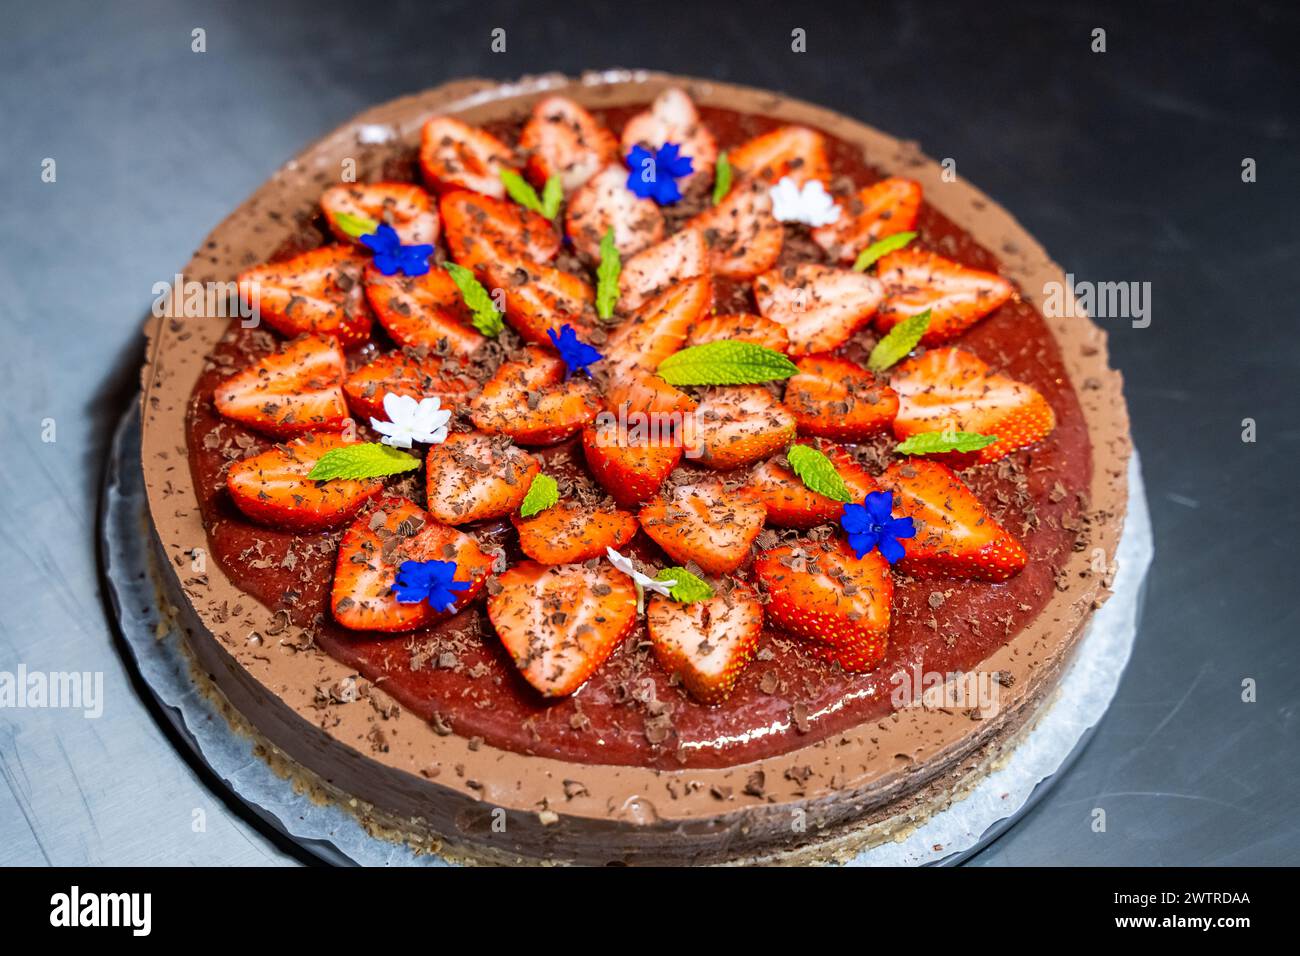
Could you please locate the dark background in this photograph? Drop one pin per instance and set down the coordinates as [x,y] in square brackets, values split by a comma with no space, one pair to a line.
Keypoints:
[1126,165]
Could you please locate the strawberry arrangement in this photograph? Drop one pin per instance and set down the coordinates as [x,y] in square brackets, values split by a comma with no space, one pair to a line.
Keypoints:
[532,295]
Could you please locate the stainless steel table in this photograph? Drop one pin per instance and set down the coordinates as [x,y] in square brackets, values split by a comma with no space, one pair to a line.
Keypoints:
[1126,164]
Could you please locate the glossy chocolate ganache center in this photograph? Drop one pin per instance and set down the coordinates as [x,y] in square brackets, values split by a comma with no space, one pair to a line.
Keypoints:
[457,675]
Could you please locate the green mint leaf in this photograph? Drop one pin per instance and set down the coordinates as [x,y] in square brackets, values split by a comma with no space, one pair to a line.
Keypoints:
[816,471]
[369,460]
[721,178]
[552,196]
[607,275]
[542,494]
[882,248]
[936,443]
[725,363]
[521,191]
[688,588]
[902,338]
[355,226]
[486,317]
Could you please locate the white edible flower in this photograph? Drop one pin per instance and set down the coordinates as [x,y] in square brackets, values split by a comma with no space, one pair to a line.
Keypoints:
[811,204]
[411,421]
[641,581]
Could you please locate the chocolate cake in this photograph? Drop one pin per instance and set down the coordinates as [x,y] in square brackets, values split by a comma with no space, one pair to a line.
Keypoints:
[554,707]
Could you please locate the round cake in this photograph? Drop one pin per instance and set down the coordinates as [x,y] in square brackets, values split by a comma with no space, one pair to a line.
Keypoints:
[631,469]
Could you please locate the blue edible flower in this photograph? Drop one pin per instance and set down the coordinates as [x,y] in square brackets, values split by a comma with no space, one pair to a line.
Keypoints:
[872,525]
[576,353]
[432,581]
[391,256]
[654,175]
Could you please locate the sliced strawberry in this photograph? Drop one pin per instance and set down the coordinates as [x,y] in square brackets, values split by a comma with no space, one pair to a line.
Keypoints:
[819,306]
[296,390]
[476,225]
[794,151]
[606,203]
[740,328]
[705,522]
[949,389]
[422,311]
[563,139]
[402,373]
[561,623]
[743,236]
[792,504]
[272,488]
[879,210]
[455,155]
[638,392]
[738,425]
[405,207]
[955,534]
[628,465]
[569,533]
[371,554]
[539,297]
[317,292]
[683,255]
[530,400]
[706,643]
[673,118]
[957,297]
[472,477]
[839,399]
[658,328]
[824,592]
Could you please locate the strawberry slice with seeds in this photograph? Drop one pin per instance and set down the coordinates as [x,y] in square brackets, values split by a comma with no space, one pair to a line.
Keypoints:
[606,203]
[296,390]
[569,533]
[455,155]
[422,311]
[948,389]
[561,623]
[401,373]
[658,328]
[794,151]
[736,426]
[563,139]
[705,522]
[836,398]
[673,118]
[743,237]
[638,392]
[820,307]
[273,489]
[956,297]
[706,643]
[955,534]
[654,270]
[792,504]
[630,466]
[540,298]
[473,477]
[825,593]
[530,400]
[740,327]
[874,212]
[318,292]
[476,225]
[407,208]
[371,554]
